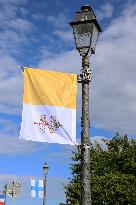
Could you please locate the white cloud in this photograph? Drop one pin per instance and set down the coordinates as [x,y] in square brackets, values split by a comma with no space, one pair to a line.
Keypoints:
[105,11]
[10,145]
[13,35]
[56,188]
[100,140]
[65,35]
[11,85]
[59,21]
[62,62]
[21,25]
[9,140]
[9,42]
[113,95]
[38,16]
[9,9]
[8,126]
[14,28]
[12,2]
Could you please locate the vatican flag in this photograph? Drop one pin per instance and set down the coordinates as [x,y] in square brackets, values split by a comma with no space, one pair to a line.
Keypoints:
[49,107]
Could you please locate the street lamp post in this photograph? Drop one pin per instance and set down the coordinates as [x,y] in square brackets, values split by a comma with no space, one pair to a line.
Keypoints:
[86,30]
[45,171]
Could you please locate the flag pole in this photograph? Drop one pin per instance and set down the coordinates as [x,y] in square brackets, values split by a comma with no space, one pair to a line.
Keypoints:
[5,193]
[12,200]
[13,193]
[45,171]
[44,192]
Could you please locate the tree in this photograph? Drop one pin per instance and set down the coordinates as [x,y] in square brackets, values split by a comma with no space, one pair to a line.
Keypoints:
[113,173]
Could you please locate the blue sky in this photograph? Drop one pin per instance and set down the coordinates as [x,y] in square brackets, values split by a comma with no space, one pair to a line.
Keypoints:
[37,34]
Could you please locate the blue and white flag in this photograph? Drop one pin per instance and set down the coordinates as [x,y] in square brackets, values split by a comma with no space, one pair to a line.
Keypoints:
[37,188]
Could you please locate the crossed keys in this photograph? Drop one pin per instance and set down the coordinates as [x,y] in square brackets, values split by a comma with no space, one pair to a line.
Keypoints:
[44,124]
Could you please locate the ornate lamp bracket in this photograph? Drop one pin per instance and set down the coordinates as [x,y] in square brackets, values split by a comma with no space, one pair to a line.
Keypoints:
[85,75]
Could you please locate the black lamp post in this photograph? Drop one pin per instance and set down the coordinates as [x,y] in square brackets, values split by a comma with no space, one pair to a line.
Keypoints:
[45,171]
[86,30]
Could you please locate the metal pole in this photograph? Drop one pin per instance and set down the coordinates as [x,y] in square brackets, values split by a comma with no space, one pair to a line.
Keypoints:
[44,191]
[85,140]
[13,193]
[5,193]
[12,200]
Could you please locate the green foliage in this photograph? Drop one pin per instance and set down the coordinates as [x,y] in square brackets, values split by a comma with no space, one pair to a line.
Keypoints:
[113,173]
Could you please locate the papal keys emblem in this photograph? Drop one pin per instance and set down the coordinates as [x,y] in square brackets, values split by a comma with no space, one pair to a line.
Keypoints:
[53,125]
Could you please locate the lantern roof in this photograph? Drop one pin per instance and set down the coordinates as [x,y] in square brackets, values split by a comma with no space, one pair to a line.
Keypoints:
[45,168]
[86,15]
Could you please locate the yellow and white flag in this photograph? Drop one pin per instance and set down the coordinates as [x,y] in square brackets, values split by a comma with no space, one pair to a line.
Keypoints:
[49,107]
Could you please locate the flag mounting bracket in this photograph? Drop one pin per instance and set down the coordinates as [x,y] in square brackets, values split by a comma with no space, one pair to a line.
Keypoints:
[22,67]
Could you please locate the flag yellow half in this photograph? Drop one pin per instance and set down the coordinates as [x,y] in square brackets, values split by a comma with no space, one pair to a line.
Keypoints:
[42,87]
